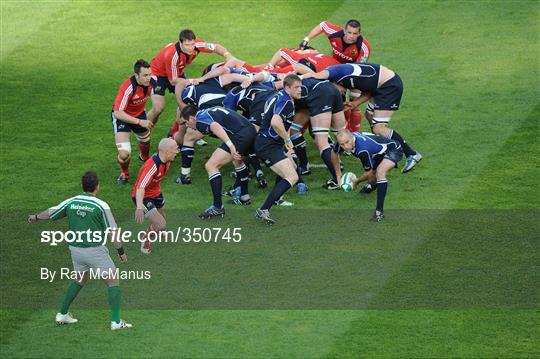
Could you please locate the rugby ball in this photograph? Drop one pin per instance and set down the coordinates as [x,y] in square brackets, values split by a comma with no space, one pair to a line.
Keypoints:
[346,182]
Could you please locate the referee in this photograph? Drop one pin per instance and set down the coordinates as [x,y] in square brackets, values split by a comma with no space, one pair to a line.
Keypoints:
[86,212]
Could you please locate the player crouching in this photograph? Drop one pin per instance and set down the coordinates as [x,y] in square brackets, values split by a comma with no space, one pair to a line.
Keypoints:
[147,190]
[378,156]
[238,136]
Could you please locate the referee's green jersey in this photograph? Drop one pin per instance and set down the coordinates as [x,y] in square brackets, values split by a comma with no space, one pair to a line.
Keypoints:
[88,218]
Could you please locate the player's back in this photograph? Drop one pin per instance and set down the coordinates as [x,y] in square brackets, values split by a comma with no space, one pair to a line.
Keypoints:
[231,121]
[157,65]
[240,98]
[358,75]
[204,95]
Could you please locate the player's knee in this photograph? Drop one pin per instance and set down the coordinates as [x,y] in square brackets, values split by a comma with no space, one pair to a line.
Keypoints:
[210,167]
[124,150]
[124,156]
[292,178]
[112,282]
[144,138]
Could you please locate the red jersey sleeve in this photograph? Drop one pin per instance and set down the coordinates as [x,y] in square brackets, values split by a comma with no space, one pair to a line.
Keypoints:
[146,175]
[204,46]
[329,28]
[366,51]
[122,98]
[171,65]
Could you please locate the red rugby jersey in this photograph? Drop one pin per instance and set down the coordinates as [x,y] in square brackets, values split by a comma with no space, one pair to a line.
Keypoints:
[319,61]
[345,53]
[132,97]
[171,60]
[150,176]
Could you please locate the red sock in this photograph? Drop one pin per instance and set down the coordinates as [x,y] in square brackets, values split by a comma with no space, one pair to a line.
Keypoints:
[144,148]
[356,120]
[124,166]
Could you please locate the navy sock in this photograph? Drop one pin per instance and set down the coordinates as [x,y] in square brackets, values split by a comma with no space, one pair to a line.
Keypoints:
[299,143]
[382,186]
[300,180]
[326,155]
[253,161]
[187,156]
[215,184]
[242,177]
[406,148]
[279,189]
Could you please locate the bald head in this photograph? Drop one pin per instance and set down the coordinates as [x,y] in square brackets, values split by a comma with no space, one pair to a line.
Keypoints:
[345,139]
[343,135]
[167,149]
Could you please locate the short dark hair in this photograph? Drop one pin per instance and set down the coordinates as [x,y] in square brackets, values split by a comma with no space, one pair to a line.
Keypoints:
[90,181]
[189,110]
[140,64]
[353,23]
[290,79]
[186,34]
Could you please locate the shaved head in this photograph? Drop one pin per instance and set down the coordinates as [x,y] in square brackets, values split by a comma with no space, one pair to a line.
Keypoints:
[343,135]
[167,144]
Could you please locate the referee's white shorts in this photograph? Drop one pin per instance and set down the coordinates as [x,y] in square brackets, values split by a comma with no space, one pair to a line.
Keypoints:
[95,258]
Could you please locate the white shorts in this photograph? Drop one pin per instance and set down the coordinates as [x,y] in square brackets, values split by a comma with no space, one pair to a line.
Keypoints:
[97,258]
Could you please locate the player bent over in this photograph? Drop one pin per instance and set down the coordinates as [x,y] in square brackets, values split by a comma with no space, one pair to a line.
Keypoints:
[238,135]
[273,138]
[378,156]
[128,114]
[147,194]
[386,89]
[86,212]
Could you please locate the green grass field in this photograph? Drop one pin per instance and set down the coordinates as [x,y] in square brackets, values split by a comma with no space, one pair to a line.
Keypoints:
[453,272]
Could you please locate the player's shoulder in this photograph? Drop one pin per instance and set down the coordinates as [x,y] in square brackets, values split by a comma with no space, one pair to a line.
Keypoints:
[89,199]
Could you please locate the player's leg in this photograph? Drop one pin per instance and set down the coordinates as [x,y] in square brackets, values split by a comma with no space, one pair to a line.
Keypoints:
[158,106]
[187,152]
[154,212]
[301,118]
[241,194]
[143,142]
[321,126]
[123,144]
[219,158]
[63,316]
[382,187]
[287,178]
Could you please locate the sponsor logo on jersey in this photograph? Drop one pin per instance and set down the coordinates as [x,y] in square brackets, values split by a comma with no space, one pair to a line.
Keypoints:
[343,56]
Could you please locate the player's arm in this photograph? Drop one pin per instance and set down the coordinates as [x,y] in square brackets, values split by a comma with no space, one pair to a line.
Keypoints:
[224,80]
[358,100]
[279,127]
[210,47]
[123,116]
[302,69]
[218,71]
[220,133]
[323,75]
[317,30]
[41,216]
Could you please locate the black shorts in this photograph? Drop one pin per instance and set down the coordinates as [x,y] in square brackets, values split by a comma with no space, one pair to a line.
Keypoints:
[325,97]
[121,126]
[269,150]
[388,96]
[243,140]
[163,84]
[151,203]
[393,154]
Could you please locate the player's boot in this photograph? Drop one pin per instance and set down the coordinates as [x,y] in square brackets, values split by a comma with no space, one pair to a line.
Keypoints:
[212,212]
[411,162]
[283,202]
[201,142]
[301,188]
[65,318]
[377,217]
[264,214]
[122,179]
[183,179]
[331,185]
[240,201]
[233,192]
[146,247]
[261,180]
[368,188]
[121,325]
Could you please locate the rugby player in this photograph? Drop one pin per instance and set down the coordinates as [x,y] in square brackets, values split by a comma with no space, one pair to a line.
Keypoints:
[273,138]
[86,212]
[324,102]
[378,156]
[347,43]
[147,194]
[386,89]
[169,64]
[204,95]
[128,114]
[238,135]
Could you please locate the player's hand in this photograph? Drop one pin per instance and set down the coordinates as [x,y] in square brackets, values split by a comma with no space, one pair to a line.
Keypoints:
[147,124]
[349,106]
[123,258]
[195,81]
[235,155]
[246,83]
[289,145]
[139,215]
[304,43]
[32,218]
[268,67]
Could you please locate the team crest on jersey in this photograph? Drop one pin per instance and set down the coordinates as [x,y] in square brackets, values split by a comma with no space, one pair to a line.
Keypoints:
[136,96]
[353,52]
